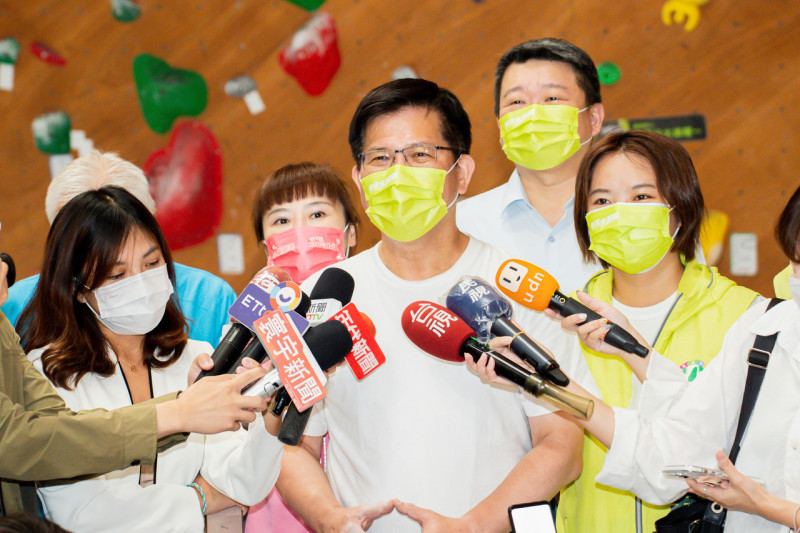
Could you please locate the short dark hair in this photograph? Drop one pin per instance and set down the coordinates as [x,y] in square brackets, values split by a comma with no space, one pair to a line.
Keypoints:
[81,250]
[551,49]
[787,230]
[28,523]
[676,181]
[299,180]
[410,92]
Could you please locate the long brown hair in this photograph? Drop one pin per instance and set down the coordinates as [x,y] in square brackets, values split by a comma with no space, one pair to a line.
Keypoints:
[82,248]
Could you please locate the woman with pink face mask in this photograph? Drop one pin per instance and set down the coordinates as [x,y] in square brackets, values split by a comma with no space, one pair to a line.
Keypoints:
[305,217]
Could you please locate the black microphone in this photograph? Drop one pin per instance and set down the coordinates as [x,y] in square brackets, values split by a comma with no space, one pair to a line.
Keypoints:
[248,307]
[449,337]
[11,276]
[532,287]
[329,342]
[488,313]
[255,350]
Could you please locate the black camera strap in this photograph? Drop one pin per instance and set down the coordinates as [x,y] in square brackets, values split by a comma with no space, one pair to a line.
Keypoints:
[757,361]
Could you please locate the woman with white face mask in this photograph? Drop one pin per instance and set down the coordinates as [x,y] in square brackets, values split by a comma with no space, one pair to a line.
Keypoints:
[638,211]
[305,217]
[105,328]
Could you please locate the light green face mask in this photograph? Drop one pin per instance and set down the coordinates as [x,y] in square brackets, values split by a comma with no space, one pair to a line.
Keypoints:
[539,136]
[406,202]
[632,237]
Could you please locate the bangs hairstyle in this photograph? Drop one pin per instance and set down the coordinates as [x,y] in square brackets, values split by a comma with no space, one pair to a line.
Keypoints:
[787,230]
[298,181]
[676,181]
[82,248]
[395,95]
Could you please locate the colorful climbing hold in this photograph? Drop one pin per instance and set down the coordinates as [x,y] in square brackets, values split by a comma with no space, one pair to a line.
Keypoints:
[403,72]
[9,52]
[608,73]
[245,87]
[312,57]
[125,10]
[682,11]
[166,93]
[47,54]
[186,183]
[310,5]
[51,132]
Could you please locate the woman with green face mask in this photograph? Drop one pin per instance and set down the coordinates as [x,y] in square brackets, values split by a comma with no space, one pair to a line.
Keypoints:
[638,210]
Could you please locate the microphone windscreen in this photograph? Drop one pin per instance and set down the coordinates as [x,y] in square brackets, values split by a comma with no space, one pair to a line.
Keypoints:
[305,303]
[329,342]
[526,284]
[334,283]
[436,330]
[478,304]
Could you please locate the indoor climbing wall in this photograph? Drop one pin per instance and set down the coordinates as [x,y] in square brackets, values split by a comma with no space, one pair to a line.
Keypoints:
[210,97]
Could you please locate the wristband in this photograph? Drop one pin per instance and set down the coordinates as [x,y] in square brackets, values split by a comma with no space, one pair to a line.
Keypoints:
[794,519]
[202,494]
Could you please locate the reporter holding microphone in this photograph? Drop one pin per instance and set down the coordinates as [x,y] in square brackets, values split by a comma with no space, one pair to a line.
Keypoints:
[104,328]
[42,439]
[638,210]
[699,427]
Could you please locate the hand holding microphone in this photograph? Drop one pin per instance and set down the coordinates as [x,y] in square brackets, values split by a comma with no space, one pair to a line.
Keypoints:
[441,333]
[488,313]
[532,287]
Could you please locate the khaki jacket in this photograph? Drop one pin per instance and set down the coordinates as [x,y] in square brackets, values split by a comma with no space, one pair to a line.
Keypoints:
[41,439]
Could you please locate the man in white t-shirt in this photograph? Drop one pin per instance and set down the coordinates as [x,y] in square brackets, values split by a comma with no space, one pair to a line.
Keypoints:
[547,102]
[420,444]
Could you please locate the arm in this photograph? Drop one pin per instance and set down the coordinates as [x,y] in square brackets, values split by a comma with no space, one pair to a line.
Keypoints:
[116,501]
[304,487]
[554,461]
[244,464]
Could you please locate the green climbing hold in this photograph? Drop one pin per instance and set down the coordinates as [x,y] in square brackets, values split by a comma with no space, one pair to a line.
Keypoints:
[167,93]
[9,50]
[608,73]
[51,132]
[309,5]
[125,10]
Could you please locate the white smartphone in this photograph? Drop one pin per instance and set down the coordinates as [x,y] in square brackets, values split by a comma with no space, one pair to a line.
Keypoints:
[533,517]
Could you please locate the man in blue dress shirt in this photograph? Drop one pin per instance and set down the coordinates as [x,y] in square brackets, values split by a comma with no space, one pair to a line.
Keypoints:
[547,101]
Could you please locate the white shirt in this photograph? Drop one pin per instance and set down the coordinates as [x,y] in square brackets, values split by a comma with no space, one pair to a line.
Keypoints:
[504,217]
[421,429]
[243,465]
[705,416]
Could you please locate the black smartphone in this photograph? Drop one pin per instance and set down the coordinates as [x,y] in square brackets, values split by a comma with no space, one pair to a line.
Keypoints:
[533,517]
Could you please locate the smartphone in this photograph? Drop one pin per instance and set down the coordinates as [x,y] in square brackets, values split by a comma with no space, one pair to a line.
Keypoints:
[692,472]
[533,517]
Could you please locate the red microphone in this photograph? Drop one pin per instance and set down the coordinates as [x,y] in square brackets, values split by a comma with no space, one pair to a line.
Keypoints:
[441,333]
[532,287]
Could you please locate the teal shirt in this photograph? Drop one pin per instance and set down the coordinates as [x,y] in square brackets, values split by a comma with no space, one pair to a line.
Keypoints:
[203,297]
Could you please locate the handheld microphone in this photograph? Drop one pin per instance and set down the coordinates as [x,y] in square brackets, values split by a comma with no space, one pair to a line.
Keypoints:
[329,342]
[255,350]
[532,287]
[332,291]
[251,303]
[481,307]
[325,342]
[334,287]
[11,275]
[448,337]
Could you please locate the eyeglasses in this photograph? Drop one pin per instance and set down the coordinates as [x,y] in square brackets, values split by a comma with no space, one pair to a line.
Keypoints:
[414,156]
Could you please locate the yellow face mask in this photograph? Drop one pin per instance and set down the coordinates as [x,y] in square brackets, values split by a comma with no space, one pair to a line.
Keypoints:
[539,136]
[406,202]
[632,237]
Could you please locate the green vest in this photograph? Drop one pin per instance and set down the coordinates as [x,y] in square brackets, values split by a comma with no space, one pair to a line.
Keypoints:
[691,336]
